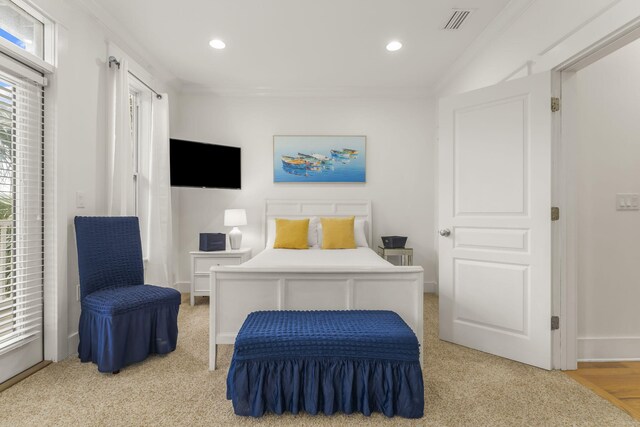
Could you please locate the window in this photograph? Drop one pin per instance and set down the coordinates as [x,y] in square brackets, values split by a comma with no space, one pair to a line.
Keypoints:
[26,41]
[26,35]
[21,29]
[134,116]
[21,211]
[140,121]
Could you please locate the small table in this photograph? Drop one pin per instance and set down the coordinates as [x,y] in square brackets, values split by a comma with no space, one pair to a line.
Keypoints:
[405,254]
[202,261]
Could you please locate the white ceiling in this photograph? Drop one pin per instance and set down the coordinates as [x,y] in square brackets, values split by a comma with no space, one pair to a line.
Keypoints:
[303,45]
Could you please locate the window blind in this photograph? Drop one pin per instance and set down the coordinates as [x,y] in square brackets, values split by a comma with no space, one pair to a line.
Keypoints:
[21,210]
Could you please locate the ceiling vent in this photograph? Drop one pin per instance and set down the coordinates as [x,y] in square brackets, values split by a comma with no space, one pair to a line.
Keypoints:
[457,18]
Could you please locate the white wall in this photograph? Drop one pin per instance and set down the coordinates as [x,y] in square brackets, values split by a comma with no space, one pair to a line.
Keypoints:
[400,163]
[609,240]
[535,36]
[76,100]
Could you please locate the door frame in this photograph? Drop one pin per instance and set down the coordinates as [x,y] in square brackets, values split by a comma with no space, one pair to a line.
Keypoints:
[564,185]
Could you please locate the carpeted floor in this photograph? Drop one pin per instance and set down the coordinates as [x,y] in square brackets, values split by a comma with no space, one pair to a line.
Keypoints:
[463,387]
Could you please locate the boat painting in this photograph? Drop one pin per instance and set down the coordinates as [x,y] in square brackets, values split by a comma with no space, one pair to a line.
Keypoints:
[293,162]
[319,158]
[317,162]
[316,158]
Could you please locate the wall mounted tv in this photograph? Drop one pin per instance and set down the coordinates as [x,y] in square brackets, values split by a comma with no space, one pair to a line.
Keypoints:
[195,164]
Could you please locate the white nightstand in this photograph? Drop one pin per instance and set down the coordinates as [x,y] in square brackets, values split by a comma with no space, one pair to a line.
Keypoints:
[201,262]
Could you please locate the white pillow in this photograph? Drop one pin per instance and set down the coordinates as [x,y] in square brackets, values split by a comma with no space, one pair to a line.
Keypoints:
[312,238]
[358,233]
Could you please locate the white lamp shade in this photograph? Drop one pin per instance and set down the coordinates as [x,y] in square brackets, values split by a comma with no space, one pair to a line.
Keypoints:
[235,217]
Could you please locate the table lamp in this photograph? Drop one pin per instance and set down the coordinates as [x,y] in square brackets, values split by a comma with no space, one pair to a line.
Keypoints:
[234,218]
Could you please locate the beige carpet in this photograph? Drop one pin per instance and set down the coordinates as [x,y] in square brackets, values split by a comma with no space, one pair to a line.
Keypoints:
[463,387]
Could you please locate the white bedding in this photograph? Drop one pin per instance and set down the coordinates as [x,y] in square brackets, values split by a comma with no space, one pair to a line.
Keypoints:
[314,257]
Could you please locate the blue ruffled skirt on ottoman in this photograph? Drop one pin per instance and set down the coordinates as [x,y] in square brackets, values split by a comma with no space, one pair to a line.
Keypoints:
[326,362]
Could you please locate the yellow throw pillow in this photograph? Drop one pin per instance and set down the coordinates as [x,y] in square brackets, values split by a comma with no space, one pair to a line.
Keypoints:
[292,234]
[337,233]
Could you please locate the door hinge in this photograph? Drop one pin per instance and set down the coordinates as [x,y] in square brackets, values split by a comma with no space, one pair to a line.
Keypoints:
[555,104]
[555,323]
[555,213]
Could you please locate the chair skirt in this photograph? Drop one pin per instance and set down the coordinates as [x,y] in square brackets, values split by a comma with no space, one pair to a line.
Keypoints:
[115,341]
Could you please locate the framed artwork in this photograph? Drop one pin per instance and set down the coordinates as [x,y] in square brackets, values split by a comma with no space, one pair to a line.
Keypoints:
[319,158]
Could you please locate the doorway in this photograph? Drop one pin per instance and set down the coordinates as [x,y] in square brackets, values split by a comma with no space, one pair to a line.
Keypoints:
[598,158]
[608,207]
[601,138]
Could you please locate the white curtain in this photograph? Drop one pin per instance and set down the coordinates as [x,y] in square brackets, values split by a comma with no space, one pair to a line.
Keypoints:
[160,265]
[119,166]
[155,194]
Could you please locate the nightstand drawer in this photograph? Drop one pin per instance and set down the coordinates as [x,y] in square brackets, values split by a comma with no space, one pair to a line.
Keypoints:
[201,283]
[202,265]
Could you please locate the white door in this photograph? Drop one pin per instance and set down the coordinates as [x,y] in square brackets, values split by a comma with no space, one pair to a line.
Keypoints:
[21,224]
[495,200]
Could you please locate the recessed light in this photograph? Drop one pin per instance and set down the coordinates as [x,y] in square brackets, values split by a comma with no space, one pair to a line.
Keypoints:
[217,44]
[393,46]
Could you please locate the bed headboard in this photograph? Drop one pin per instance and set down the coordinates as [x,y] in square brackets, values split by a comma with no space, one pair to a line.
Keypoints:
[361,209]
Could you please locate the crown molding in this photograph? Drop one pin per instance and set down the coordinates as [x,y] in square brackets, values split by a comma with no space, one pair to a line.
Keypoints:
[507,16]
[337,92]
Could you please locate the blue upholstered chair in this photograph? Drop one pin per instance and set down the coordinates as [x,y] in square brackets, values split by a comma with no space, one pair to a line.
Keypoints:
[122,320]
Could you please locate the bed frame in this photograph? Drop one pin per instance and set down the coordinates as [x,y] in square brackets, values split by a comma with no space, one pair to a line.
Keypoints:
[237,291]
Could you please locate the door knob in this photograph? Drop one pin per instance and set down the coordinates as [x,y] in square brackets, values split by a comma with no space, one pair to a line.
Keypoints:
[445,232]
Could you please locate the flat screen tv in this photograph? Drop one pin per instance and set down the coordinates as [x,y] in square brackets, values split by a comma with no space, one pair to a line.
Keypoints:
[196,164]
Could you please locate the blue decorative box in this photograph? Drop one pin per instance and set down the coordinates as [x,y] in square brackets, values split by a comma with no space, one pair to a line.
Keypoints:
[394,242]
[213,242]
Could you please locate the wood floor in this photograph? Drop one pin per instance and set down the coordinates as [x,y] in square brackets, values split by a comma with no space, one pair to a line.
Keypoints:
[618,382]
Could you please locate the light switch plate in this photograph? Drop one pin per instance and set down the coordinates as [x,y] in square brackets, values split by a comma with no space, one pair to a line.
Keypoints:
[80,199]
[627,201]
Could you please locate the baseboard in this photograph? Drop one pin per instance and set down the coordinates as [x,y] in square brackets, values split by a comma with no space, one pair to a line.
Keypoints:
[607,349]
[21,376]
[182,287]
[430,287]
[72,344]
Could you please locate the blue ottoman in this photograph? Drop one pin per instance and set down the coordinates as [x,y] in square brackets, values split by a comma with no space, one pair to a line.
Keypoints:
[326,361]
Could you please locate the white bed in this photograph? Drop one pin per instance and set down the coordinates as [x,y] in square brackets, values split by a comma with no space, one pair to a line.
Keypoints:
[313,279]
[315,257]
